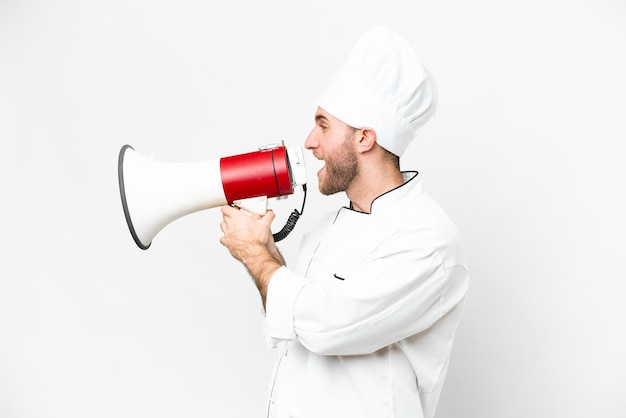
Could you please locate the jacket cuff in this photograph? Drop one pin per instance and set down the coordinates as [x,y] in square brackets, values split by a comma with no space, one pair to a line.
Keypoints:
[282,292]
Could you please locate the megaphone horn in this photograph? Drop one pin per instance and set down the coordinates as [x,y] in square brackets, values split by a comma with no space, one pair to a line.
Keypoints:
[156,193]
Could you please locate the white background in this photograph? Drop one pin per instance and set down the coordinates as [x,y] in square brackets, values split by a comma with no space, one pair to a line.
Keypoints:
[526,154]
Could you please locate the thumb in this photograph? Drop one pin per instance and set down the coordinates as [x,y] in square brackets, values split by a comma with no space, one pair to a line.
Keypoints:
[269,217]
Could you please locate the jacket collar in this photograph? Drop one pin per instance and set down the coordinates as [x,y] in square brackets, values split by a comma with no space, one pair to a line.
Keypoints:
[391,197]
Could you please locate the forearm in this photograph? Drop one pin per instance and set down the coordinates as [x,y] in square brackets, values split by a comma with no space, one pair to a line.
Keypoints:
[262,263]
[249,239]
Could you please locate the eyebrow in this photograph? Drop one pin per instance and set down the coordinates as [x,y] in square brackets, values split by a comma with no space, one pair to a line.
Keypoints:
[319,118]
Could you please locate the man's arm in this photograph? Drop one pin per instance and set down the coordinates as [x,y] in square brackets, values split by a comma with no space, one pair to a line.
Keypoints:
[249,239]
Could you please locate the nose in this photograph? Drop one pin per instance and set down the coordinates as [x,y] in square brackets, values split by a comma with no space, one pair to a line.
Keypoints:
[311,141]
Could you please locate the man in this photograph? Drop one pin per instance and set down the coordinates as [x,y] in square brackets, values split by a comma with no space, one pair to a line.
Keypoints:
[364,322]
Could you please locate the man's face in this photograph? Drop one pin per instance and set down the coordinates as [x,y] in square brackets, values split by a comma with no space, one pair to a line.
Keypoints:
[331,141]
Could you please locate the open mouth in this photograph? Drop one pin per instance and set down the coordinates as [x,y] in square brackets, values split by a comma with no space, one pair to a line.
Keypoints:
[320,163]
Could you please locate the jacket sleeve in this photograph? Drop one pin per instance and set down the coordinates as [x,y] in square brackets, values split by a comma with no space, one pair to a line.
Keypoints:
[399,291]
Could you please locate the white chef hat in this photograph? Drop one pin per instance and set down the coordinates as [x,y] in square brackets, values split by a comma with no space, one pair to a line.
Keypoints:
[382,86]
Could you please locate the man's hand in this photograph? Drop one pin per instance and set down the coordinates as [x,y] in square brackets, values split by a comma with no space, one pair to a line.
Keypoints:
[243,230]
[249,239]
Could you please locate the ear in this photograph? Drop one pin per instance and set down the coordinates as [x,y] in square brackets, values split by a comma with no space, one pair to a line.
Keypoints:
[366,139]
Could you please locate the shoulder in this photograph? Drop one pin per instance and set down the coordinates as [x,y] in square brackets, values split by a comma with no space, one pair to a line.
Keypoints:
[419,222]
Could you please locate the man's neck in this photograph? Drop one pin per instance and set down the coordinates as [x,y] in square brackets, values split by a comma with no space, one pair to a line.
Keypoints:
[368,186]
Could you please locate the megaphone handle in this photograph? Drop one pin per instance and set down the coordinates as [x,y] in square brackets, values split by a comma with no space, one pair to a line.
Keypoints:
[256,205]
[259,204]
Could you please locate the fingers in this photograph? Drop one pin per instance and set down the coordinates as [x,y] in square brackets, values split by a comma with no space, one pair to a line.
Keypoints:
[232,215]
[241,228]
[228,210]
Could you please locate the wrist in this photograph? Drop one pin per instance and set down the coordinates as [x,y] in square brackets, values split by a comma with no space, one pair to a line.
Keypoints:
[261,265]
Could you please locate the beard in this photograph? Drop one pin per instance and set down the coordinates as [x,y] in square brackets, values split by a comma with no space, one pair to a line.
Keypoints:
[341,169]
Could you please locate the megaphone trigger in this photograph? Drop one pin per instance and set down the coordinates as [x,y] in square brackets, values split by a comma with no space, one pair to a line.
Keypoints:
[256,205]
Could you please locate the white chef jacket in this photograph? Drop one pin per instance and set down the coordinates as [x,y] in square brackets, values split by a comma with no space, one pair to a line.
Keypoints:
[365,322]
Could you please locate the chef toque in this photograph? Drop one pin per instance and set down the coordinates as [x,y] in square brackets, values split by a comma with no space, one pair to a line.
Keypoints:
[382,86]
